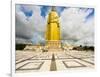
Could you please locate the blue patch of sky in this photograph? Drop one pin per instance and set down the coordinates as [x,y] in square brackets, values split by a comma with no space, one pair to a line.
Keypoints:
[60,9]
[84,9]
[28,13]
[44,10]
[91,14]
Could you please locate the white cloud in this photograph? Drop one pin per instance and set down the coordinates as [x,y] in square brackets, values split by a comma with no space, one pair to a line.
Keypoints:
[23,26]
[37,20]
[27,29]
[22,41]
[39,25]
[74,27]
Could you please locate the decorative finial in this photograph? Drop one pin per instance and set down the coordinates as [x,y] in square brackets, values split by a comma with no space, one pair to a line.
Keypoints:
[53,8]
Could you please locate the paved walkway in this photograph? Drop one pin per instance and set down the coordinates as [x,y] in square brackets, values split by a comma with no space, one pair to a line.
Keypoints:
[29,61]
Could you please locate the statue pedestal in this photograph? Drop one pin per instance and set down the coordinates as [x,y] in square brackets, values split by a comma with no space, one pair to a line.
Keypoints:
[54,45]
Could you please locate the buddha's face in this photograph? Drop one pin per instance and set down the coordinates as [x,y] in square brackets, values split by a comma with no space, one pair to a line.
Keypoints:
[53,17]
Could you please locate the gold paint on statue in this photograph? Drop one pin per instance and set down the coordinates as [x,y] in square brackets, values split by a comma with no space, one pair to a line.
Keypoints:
[53,30]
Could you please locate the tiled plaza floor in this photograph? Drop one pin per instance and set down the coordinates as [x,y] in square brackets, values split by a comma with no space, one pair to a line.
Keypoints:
[30,61]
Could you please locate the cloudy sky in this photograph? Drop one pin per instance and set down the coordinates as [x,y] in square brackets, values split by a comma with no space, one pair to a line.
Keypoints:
[77,24]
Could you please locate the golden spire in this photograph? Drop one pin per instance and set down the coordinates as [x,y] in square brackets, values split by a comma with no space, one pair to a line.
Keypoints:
[53,8]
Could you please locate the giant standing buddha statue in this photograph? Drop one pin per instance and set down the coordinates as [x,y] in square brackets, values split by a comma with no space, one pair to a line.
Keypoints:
[53,39]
